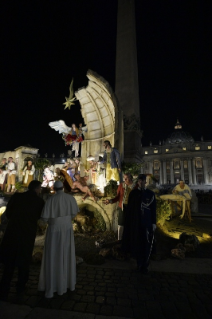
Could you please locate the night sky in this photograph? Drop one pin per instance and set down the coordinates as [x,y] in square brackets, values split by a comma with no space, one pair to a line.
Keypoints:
[46,43]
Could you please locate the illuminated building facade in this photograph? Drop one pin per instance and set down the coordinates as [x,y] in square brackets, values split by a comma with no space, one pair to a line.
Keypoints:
[180,157]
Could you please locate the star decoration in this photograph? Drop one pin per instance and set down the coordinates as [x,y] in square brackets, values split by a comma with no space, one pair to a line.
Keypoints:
[70,100]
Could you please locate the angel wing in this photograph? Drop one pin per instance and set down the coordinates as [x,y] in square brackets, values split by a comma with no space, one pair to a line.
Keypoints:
[84,128]
[60,126]
[70,100]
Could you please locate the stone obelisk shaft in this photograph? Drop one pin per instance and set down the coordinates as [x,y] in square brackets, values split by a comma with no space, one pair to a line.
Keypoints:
[126,87]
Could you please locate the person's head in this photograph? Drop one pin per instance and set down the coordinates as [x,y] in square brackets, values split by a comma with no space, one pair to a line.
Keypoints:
[128,179]
[77,176]
[90,159]
[10,159]
[35,186]
[80,125]
[182,184]
[58,186]
[4,160]
[141,180]
[66,164]
[73,126]
[86,177]
[57,171]
[29,163]
[107,144]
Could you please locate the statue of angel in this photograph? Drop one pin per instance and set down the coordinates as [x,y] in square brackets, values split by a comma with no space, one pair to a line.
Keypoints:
[71,135]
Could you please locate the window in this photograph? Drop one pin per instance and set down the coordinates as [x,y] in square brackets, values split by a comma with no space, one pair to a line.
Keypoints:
[184,148]
[167,149]
[197,148]
[176,164]
[146,152]
[198,163]
[209,147]
[155,151]
[156,165]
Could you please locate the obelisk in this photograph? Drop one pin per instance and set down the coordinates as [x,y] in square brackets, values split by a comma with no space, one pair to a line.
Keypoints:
[126,86]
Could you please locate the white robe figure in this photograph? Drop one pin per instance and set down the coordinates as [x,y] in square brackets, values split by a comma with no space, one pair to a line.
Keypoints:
[58,267]
[48,178]
[28,173]
[2,176]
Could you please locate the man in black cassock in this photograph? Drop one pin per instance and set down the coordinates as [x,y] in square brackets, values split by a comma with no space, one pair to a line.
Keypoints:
[23,211]
[140,224]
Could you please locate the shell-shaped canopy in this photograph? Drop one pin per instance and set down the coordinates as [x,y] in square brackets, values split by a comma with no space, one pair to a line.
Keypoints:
[97,107]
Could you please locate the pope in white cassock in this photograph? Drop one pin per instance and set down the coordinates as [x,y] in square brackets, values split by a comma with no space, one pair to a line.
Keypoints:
[58,267]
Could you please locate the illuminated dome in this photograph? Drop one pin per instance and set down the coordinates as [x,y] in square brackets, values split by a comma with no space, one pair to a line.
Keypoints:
[179,136]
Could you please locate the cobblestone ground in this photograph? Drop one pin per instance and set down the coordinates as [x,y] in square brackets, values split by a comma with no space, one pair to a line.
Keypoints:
[115,292]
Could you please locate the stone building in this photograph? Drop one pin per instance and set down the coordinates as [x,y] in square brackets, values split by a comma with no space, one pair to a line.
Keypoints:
[20,156]
[180,157]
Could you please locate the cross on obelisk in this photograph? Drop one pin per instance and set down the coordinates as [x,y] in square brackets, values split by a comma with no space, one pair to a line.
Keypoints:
[126,87]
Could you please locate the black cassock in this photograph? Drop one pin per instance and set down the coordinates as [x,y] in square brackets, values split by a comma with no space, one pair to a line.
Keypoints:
[138,230]
[23,211]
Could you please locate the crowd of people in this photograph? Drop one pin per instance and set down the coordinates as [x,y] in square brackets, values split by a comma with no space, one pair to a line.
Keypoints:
[58,267]
[136,224]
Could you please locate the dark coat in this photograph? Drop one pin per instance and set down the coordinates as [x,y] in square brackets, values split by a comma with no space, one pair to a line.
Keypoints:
[23,211]
[115,159]
[141,214]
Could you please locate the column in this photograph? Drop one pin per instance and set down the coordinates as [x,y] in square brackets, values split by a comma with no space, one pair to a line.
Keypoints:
[161,172]
[126,78]
[172,172]
[205,170]
[189,172]
[194,172]
[181,171]
[126,59]
[164,173]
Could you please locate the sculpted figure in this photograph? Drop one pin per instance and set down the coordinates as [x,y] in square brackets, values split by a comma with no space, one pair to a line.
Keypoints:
[3,173]
[28,173]
[71,135]
[112,161]
[48,178]
[81,185]
[11,168]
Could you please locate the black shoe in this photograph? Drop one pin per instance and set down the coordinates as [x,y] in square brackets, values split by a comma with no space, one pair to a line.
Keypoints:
[144,271]
[19,298]
[3,297]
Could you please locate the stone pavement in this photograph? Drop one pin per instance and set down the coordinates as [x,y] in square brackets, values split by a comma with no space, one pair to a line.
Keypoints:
[172,289]
[115,290]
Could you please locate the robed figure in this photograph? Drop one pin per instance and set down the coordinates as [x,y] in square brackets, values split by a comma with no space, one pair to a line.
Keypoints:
[58,268]
[23,211]
[140,224]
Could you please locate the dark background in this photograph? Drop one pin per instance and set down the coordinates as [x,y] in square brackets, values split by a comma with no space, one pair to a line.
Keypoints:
[46,43]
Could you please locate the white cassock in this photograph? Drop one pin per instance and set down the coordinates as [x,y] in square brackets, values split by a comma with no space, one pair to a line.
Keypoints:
[58,267]
[2,177]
